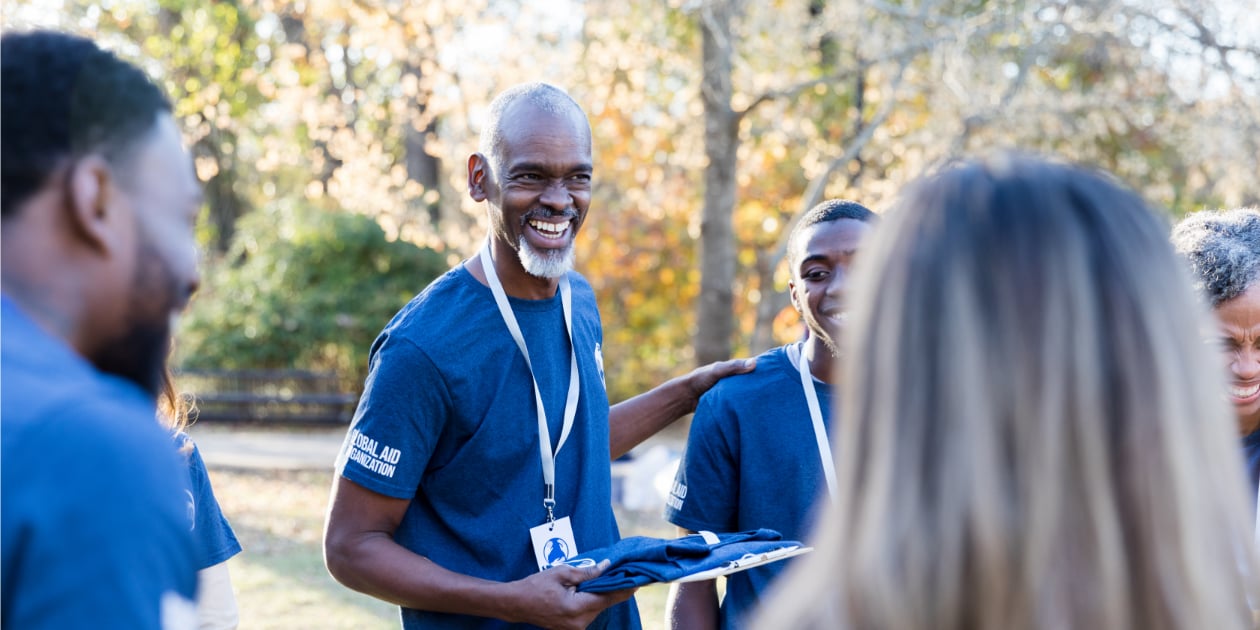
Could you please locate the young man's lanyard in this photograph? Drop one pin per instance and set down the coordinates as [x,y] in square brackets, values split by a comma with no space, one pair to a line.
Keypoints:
[570,405]
[820,432]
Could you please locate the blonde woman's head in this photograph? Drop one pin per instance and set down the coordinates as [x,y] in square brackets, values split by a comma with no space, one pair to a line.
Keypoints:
[1032,433]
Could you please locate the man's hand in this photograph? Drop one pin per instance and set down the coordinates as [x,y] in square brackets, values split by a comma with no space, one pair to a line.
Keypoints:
[702,379]
[550,599]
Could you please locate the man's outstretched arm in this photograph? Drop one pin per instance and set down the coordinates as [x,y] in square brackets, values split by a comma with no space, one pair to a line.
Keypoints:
[360,552]
[634,420]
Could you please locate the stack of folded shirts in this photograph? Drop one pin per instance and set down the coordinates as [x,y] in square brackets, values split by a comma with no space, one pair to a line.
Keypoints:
[640,560]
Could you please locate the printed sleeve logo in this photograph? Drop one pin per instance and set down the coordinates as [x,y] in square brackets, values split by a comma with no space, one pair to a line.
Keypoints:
[676,495]
[192,511]
[378,458]
[599,364]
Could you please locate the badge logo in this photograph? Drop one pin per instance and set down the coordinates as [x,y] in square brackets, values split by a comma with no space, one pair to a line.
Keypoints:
[557,551]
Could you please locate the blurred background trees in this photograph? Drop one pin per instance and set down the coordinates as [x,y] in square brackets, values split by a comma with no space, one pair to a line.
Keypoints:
[302,288]
[332,138]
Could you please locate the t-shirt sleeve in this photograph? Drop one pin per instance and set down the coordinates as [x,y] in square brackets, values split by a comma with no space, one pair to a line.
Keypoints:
[705,495]
[215,540]
[402,412]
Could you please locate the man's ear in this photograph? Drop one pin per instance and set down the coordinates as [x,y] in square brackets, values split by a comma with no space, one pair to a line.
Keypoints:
[478,177]
[796,304]
[92,193]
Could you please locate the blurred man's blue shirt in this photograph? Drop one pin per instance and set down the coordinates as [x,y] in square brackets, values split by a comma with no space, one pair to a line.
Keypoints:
[95,520]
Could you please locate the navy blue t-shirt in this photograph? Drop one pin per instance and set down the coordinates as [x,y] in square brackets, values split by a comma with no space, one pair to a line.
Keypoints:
[448,420]
[752,462]
[1251,451]
[95,524]
[215,540]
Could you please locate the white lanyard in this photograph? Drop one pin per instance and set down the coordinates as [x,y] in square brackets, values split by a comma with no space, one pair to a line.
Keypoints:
[570,405]
[820,432]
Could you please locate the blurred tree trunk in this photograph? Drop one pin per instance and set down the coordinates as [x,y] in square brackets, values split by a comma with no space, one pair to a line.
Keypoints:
[422,168]
[715,319]
[224,202]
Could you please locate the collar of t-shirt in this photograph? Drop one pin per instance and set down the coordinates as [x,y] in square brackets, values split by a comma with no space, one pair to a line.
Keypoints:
[793,352]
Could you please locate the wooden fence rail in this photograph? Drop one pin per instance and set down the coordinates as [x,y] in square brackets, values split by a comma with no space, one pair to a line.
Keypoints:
[281,396]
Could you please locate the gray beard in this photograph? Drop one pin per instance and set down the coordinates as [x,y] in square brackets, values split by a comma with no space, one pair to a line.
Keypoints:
[550,264]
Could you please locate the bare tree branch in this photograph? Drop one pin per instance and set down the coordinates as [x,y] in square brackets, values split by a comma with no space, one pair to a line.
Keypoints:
[980,26]
[814,191]
[772,302]
[975,121]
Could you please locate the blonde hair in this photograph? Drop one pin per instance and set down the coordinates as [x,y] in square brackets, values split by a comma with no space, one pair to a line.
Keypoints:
[1031,433]
[175,411]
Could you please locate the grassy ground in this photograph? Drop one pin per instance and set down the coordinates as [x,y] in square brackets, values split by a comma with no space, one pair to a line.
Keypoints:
[280,579]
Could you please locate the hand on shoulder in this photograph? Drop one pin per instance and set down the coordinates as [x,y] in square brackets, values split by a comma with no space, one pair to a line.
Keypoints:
[703,378]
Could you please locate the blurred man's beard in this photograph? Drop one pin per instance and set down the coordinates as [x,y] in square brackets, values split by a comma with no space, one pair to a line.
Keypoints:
[140,354]
[551,263]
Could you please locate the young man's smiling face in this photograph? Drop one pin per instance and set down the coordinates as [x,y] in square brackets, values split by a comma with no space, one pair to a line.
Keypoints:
[820,275]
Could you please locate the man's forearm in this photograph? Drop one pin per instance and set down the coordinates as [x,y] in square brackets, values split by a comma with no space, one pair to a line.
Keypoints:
[634,420]
[378,566]
[693,606]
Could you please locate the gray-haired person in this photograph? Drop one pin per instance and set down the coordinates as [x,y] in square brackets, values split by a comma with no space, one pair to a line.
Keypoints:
[452,498]
[1223,249]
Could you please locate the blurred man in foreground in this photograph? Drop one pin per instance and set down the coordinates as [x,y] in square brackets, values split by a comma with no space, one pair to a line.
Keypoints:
[99,201]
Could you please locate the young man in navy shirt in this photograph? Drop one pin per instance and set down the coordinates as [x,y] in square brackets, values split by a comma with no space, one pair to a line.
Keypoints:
[758,454]
[480,450]
[98,209]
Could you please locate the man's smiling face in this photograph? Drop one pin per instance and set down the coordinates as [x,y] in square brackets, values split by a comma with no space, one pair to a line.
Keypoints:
[540,188]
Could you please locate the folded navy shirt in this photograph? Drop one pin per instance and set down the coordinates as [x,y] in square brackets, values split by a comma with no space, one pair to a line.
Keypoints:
[640,560]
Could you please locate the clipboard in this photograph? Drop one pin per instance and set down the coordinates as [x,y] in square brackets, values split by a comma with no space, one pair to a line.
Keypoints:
[743,564]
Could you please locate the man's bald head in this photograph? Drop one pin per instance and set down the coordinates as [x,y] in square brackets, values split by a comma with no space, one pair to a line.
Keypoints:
[542,97]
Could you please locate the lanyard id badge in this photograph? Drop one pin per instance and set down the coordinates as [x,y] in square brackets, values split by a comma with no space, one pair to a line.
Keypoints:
[553,542]
[820,431]
[555,536]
